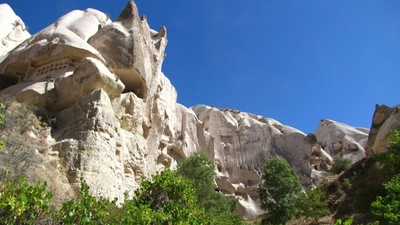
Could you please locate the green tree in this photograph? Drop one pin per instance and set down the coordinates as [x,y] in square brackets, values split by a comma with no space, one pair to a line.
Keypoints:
[312,204]
[21,203]
[387,208]
[167,198]
[278,191]
[200,170]
[87,209]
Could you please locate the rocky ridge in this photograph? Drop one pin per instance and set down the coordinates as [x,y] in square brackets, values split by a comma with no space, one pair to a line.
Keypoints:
[122,120]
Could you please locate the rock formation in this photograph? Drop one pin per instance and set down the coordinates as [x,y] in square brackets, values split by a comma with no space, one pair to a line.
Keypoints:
[383,136]
[117,117]
[381,114]
[13,30]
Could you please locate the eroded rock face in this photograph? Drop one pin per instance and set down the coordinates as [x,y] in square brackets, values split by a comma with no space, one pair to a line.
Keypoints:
[341,140]
[383,137]
[381,114]
[242,144]
[13,30]
[116,118]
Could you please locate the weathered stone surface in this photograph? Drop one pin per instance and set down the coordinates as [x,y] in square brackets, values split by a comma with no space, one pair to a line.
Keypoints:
[131,49]
[90,75]
[242,144]
[384,137]
[91,145]
[55,51]
[381,114]
[116,118]
[341,140]
[13,30]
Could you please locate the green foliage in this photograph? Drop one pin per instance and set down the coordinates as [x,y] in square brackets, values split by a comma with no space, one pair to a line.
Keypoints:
[199,169]
[166,199]
[312,204]
[349,221]
[340,164]
[387,208]
[86,209]
[391,159]
[278,191]
[218,208]
[21,203]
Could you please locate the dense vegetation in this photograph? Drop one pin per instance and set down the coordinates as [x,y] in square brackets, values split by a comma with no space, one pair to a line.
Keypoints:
[167,198]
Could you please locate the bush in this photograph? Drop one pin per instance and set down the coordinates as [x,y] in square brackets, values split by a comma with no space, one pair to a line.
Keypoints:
[21,203]
[278,191]
[391,159]
[19,123]
[387,208]
[166,199]
[312,204]
[340,164]
[86,209]
[218,208]
[200,170]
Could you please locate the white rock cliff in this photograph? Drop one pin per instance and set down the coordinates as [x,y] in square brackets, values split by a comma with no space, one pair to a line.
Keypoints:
[117,116]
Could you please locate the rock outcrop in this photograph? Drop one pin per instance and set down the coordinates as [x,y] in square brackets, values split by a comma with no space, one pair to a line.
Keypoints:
[341,140]
[116,118]
[13,30]
[383,136]
[381,114]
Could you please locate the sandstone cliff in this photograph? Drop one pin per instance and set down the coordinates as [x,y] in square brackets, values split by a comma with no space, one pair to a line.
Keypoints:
[115,115]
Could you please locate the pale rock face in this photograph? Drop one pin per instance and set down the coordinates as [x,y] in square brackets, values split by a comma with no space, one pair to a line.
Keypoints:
[55,51]
[131,49]
[13,30]
[242,144]
[91,145]
[116,118]
[341,140]
[381,114]
[383,138]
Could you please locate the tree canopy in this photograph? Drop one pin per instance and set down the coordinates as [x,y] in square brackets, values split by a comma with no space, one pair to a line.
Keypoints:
[278,191]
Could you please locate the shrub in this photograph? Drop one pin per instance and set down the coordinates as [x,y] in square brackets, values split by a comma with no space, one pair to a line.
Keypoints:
[312,204]
[218,208]
[340,164]
[165,199]
[86,209]
[200,170]
[21,203]
[391,159]
[278,191]
[387,208]
[19,152]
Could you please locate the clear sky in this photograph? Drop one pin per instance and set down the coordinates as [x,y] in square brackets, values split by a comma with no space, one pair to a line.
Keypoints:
[295,61]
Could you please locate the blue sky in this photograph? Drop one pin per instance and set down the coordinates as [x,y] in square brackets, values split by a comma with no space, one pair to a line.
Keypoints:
[295,61]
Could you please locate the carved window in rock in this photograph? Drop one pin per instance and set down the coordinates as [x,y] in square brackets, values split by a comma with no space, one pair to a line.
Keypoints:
[54,68]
